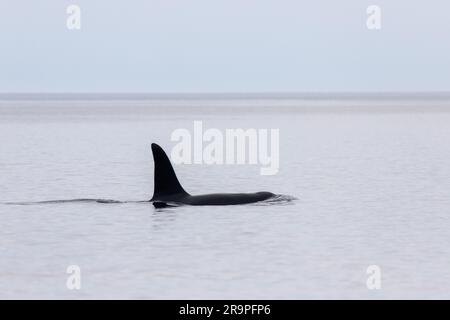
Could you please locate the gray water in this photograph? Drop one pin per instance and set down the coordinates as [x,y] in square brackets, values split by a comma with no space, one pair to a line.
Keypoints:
[372,188]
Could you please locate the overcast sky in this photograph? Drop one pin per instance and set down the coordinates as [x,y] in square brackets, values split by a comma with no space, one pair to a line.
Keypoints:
[224,46]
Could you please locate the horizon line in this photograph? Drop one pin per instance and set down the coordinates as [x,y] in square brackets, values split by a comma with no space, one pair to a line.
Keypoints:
[313,95]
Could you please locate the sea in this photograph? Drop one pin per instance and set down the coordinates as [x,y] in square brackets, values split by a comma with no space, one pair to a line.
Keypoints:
[364,183]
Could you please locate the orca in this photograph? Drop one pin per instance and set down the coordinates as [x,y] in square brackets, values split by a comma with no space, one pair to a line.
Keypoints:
[169,192]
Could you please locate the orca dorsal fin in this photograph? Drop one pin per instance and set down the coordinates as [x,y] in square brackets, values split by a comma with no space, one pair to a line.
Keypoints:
[166,181]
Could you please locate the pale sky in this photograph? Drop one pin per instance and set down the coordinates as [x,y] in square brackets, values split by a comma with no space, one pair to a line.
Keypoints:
[224,46]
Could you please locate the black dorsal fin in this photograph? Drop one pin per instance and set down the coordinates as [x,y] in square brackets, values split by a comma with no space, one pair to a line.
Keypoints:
[166,181]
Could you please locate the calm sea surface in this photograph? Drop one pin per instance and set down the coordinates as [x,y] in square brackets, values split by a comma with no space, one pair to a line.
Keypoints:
[372,188]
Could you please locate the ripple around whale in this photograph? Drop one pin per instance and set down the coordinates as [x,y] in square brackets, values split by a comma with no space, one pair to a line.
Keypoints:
[278,199]
[83,200]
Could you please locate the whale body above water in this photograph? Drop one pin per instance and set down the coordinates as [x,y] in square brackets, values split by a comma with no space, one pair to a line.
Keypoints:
[169,192]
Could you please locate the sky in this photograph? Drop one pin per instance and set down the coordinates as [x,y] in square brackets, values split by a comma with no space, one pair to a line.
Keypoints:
[183,46]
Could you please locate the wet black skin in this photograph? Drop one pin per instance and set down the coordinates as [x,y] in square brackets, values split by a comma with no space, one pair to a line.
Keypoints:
[215,199]
[168,191]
